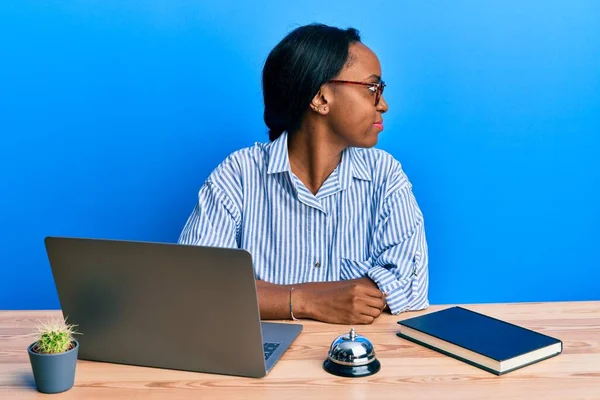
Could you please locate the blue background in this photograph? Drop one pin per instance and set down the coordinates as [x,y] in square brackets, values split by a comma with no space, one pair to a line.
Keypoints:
[112,114]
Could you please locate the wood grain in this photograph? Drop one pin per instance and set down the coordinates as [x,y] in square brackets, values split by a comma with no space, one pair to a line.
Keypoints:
[408,370]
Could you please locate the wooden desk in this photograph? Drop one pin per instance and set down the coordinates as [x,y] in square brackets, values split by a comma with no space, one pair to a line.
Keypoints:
[408,371]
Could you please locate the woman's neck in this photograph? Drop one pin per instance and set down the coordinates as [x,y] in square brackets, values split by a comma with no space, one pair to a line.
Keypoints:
[313,156]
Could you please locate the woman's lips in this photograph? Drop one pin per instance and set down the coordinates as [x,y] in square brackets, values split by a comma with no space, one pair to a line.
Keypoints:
[378,125]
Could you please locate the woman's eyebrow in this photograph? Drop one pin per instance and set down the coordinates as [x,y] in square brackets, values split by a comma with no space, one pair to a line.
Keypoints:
[374,76]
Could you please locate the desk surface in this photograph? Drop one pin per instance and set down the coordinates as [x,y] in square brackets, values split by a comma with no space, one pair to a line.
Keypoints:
[408,371]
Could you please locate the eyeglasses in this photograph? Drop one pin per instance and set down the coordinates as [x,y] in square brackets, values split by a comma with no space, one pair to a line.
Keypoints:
[376,88]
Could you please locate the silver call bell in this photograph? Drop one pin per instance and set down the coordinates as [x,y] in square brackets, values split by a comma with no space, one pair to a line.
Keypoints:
[351,355]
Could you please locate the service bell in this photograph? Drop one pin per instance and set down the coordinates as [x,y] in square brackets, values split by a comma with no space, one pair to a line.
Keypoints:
[351,355]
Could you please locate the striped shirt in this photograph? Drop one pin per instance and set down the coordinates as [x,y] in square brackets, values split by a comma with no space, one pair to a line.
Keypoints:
[363,221]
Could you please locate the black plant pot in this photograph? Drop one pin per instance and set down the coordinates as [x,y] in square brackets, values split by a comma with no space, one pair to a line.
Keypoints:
[54,373]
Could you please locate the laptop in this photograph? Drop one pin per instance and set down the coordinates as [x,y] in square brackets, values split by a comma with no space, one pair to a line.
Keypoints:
[166,305]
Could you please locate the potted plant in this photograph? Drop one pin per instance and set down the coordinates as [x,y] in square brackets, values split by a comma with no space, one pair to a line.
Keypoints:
[53,356]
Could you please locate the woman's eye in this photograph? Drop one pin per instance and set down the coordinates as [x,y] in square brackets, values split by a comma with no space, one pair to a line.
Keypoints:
[373,89]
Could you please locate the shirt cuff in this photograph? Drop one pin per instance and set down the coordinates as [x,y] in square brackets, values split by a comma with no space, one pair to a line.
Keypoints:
[398,293]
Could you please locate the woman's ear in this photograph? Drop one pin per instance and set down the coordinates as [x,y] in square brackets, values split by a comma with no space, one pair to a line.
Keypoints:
[320,103]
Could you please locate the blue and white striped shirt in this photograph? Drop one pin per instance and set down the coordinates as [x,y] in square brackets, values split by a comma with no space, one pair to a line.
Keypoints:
[364,220]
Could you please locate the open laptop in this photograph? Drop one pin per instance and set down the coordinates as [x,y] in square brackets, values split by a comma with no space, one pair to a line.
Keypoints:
[166,305]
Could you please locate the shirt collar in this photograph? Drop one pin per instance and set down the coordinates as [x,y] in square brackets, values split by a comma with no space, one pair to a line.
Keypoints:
[351,166]
[359,168]
[279,160]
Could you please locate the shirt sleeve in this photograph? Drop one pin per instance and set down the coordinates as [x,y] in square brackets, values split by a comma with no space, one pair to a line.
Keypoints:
[215,220]
[399,261]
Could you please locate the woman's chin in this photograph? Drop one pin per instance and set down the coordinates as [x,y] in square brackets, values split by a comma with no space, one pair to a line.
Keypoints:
[368,142]
[372,138]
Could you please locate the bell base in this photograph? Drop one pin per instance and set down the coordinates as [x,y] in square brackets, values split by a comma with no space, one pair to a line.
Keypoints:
[352,372]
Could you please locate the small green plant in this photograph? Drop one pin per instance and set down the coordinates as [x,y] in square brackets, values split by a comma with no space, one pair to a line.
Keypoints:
[54,336]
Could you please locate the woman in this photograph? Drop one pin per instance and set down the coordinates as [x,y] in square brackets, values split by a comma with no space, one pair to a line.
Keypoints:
[334,230]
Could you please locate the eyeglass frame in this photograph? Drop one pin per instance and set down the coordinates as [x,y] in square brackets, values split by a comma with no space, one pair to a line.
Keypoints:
[378,93]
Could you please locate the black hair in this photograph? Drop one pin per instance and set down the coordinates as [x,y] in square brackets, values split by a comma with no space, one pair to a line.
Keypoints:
[295,70]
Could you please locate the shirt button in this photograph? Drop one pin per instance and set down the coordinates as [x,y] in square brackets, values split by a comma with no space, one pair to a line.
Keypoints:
[317,264]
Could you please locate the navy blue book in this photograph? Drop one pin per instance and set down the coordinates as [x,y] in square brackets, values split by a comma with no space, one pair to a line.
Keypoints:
[485,342]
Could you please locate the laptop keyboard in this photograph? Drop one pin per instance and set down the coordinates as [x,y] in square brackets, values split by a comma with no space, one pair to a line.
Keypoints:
[269,348]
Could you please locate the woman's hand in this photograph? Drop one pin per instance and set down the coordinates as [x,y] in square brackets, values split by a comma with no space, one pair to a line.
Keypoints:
[357,301]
